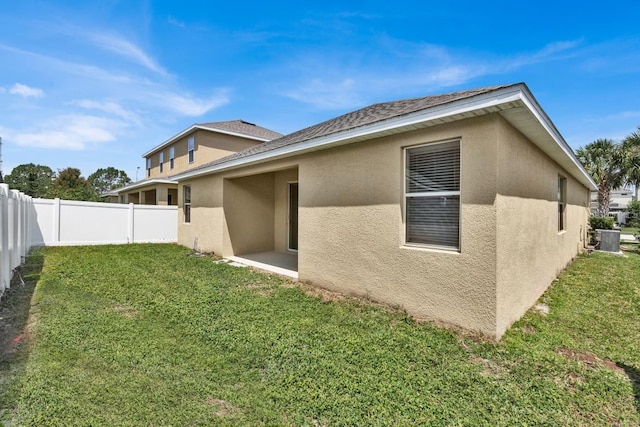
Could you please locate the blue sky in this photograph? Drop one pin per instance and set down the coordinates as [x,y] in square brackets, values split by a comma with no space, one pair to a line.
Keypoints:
[97,83]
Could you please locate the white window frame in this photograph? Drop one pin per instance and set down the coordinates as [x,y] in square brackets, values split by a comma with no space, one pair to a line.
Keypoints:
[191,148]
[186,204]
[172,155]
[161,160]
[562,204]
[148,166]
[406,196]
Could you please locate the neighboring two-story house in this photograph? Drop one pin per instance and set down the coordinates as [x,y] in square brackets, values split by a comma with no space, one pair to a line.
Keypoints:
[620,199]
[198,145]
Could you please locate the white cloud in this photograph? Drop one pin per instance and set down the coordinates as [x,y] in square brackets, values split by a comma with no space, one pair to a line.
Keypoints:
[69,132]
[83,71]
[348,79]
[623,115]
[547,53]
[173,21]
[26,91]
[327,94]
[191,106]
[108,107]
[127,49]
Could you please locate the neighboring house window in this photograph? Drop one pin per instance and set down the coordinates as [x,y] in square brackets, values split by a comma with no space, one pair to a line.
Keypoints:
[172,155]
[187,203]
[562,202]
[148,166]
[432,195]
[191,147]
[161,161]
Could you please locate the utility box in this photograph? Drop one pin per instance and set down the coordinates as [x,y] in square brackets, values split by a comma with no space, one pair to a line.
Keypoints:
[609,240]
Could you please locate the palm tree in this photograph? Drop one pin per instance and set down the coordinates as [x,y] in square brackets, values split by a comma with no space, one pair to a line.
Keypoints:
[604,160]
[631,149]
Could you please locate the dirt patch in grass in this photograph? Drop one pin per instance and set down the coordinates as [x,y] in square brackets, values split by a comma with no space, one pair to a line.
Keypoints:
[324,294]
[125,310]
[14,307]
[261,289]
[589,359]
[223,408]
[489,367]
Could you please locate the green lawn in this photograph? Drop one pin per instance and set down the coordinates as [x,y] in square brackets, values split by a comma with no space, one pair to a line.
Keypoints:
[630,230]
[146,335]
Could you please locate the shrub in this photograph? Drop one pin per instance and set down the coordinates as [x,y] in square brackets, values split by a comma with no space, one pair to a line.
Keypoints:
[633,217]
[601,223]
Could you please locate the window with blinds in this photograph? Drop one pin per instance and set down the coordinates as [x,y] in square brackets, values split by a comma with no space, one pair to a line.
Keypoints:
[172,155]
[432,195]
[191,145]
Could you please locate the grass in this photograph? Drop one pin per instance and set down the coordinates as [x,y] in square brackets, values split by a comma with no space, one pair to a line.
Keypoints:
[630,230]
[146,335]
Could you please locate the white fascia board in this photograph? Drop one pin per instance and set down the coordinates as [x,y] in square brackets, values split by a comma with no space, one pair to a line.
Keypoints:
[144,183]
[492,99]
[195,127]
[478,103]
[544,120]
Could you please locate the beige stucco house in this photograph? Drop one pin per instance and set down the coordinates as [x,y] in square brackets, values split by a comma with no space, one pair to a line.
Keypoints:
[190,149]
[460,207]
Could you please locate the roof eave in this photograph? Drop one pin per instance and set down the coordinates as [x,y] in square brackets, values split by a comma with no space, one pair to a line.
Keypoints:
[144,183]
[200,127]
[477,105]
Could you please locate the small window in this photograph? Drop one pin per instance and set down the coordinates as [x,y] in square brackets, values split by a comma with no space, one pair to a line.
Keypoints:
[562,201]
[161,161]
[187,203]
[191,148]
[172,155]
[432,195]
[148,166]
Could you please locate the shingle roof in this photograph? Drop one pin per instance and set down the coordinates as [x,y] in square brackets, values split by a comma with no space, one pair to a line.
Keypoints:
[362,117]
[242,127]
[232,126]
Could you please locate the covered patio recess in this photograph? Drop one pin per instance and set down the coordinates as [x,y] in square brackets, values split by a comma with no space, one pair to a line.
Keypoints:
[261,213]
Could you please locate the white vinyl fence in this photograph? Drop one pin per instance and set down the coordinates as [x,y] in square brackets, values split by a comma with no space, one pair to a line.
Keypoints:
[72,223]
[27,222]
[16,215]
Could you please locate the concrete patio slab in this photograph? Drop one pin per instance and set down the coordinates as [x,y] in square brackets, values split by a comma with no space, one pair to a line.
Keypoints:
[284,263]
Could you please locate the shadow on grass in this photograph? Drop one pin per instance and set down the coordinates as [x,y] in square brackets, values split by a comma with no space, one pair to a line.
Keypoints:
[14,315]
[634,377]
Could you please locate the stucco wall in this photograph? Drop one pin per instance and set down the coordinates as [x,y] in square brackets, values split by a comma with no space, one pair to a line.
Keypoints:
[531,250]
[249,213]
[205,232]
[351,229]
[209,146]
[352,232]
[211,223]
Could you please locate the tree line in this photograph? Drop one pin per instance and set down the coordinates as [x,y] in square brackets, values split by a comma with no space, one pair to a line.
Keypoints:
[612,165]
[69,184]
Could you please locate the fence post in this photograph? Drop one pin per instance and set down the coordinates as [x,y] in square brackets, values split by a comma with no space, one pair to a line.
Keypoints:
[25,225]
[5,267]
[13,228]
[56,220]
[132,217]
[20,235]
